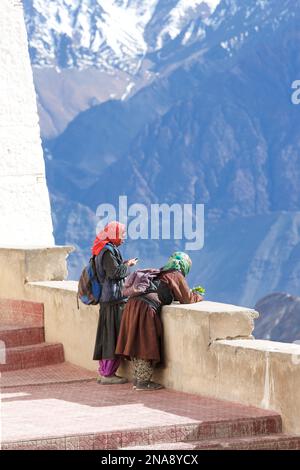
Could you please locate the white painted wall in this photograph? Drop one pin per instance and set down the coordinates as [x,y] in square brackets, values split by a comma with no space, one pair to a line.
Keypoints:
[25,213]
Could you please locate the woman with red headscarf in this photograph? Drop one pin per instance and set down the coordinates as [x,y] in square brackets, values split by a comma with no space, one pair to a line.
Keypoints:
[111,272]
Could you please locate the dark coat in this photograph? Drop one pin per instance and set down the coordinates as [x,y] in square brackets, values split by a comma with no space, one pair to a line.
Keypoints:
[111,271]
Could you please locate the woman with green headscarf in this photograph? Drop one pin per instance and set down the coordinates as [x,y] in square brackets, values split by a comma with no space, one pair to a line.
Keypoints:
[140,337]
[179,261]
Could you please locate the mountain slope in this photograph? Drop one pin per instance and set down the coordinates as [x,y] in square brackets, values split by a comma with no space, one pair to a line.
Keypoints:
[227,138]
[64,94]
[279,318]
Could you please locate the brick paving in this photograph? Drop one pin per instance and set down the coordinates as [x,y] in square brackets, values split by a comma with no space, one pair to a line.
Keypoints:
[87,415]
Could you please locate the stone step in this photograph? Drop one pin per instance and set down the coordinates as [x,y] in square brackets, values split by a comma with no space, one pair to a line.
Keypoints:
[268,442]
[271,442]
[237,428]
[35,355]
[61,373]
[14,336]
[21,312]
[158,437]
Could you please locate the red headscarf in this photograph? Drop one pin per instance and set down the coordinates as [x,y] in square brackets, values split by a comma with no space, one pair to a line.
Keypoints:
[114,232]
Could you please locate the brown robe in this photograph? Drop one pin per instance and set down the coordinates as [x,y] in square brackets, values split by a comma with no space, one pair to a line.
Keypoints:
[141,332]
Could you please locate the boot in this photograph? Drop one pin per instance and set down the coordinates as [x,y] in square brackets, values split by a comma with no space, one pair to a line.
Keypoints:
[147,386]
[112,380]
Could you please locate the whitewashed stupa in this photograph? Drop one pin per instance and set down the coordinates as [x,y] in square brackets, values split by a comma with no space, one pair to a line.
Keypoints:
[25,213]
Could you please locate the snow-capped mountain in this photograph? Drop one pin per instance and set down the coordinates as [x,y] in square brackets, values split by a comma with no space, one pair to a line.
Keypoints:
[107,34]
[118,34]
[227,28]
[239,19]
[85,52]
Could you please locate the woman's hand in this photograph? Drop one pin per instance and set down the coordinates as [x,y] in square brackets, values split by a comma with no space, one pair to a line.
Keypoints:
[196,297]
[132,262]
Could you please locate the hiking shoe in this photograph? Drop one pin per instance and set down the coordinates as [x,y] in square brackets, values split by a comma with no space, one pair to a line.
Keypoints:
[147,386]
[112,380]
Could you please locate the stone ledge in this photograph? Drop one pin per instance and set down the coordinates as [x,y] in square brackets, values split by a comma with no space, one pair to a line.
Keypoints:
[69,286]
[209,307]
[35,249]
[225,321]
[21,265]
[265,346]
[47,263]
[267,374]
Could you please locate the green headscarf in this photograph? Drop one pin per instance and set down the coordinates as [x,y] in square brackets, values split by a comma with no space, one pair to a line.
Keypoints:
[179,261]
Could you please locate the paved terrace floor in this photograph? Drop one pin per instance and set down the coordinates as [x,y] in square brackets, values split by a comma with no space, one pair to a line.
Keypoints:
[62,407]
